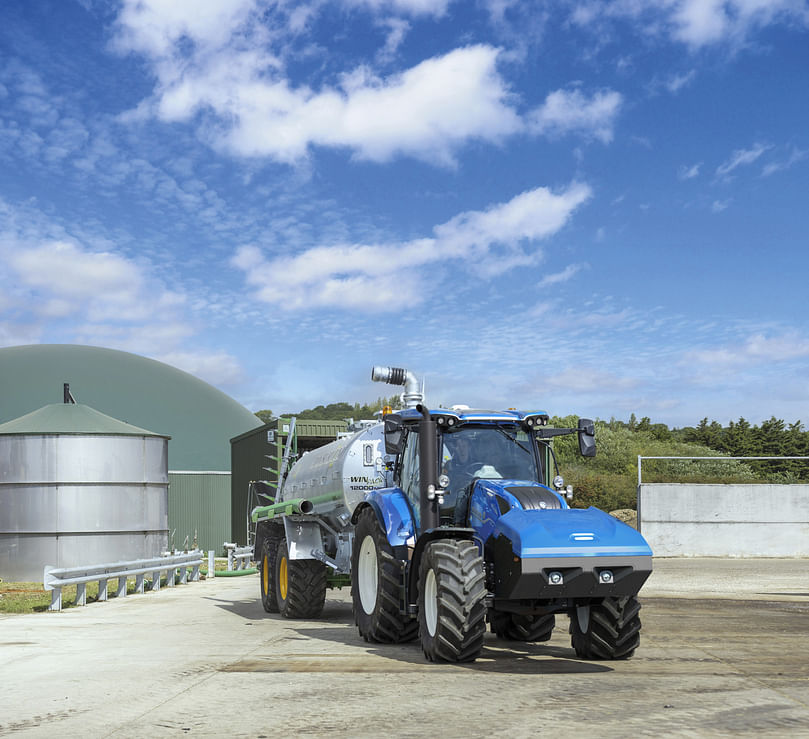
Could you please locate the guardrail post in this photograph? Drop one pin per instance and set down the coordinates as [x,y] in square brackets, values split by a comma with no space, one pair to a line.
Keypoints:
[121,590]
[139,583]
[102,589]
[56,599]
[183,575]
[81,594]
[210,563]
[170,577]
[155,581]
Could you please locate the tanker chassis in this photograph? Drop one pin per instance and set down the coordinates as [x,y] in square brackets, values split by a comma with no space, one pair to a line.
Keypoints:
[445,520]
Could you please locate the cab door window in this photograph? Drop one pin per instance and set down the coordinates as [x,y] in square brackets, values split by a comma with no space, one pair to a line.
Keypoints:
[410,477]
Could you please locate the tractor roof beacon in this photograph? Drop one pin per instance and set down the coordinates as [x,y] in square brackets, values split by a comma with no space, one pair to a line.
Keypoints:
[447,520]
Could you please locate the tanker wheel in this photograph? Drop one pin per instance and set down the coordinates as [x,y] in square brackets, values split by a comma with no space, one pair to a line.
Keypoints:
[300,585]
[376,585]
[518,627]
[611,630]
[452,614]
[266,567]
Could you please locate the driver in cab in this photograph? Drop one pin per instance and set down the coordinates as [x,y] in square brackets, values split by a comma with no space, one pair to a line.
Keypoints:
[462,463]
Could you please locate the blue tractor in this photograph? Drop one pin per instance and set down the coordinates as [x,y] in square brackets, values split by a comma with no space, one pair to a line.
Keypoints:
[467,525]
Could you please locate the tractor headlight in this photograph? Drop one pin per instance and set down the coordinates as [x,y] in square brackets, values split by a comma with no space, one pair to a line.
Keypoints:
[558,482]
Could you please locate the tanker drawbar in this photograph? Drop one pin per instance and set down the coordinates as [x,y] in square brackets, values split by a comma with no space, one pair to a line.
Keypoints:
[449,522]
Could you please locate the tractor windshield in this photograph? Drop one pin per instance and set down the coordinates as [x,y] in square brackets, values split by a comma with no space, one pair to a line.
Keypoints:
[489,452]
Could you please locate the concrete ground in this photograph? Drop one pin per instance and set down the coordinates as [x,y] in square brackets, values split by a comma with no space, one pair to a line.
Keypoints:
[724,651]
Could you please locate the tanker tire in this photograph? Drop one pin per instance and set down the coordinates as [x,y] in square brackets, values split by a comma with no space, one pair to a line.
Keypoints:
[382,594]
[266,567]
[613,631]
[517,627]
[300,585]
[452,614]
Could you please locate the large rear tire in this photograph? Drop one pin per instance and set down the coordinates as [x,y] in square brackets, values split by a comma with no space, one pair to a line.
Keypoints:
[376,585]
[518,627]
[612,630]
[300,585]
[266,566]
[452,614]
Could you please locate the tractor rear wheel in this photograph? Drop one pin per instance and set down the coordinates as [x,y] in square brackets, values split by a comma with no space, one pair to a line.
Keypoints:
[452,614]
[266,566]
[611,630]
[519,627]
[376,585]
[300,585]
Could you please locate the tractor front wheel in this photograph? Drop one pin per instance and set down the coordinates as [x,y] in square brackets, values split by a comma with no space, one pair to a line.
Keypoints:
[452,614]
[608,630]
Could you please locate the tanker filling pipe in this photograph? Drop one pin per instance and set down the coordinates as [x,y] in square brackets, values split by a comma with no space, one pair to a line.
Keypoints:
[398,376]
[428,464]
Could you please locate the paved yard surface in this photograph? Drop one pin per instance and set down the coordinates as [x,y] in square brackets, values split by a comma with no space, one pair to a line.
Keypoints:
[724,651]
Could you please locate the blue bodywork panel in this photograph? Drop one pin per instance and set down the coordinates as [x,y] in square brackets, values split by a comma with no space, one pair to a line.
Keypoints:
[484,508]
[572,533]
[395,514]
[559,532]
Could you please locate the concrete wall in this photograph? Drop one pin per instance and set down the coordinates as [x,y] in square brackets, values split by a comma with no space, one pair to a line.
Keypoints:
[725,520]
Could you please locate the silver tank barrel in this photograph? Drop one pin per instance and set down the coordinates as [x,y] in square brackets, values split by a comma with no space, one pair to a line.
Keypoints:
[338,475]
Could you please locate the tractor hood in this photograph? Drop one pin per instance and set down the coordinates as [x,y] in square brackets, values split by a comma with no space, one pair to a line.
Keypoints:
[569,532]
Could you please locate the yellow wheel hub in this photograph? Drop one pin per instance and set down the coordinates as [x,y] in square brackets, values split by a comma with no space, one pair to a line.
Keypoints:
[283,574]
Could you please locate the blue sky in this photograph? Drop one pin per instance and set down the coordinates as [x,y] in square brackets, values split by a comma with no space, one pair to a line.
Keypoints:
[588,207]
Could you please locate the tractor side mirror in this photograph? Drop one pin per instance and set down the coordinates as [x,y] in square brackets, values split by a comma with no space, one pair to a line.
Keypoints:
[587,438]
[394,435]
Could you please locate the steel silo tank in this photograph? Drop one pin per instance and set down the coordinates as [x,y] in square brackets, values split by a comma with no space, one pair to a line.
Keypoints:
[79,487]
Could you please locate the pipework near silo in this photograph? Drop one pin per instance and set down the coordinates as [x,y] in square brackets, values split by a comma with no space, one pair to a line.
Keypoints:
[79,487]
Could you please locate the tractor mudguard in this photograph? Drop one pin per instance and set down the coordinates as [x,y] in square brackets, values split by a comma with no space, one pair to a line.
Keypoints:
[395,516]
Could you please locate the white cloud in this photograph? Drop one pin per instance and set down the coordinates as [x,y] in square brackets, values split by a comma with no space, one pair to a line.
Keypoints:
[217,368]
[740,158]
[154,27]
[689,173]
[426,111]
[677,82]
[797,155]
[756,349]
[398,28]
[558,277]
[223,68]
[386,276]
[63,269]
[588,380]
[719,205]
[697,23]
[436,8]
[566,111]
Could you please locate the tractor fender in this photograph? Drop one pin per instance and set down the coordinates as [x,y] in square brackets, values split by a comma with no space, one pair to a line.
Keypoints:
[395,516]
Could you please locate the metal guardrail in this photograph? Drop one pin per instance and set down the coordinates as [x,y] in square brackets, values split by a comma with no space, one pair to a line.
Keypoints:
[55,579]
[238,556]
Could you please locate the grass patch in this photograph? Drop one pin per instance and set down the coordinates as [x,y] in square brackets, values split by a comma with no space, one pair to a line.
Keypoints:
[31,597]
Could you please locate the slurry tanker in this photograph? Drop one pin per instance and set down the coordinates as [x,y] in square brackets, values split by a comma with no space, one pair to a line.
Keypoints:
[444,521]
